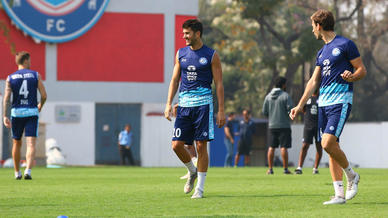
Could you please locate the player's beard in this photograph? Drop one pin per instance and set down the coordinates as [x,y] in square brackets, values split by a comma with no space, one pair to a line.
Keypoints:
[319,36]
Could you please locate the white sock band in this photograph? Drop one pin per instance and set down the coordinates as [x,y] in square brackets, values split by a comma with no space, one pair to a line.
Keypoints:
[349,172]
[201,181]
[339,188]
[190,166]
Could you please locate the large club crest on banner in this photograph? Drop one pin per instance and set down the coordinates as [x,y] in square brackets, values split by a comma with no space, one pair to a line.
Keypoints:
[55,20]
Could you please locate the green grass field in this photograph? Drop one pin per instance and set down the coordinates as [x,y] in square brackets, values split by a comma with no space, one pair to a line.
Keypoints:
[127,192]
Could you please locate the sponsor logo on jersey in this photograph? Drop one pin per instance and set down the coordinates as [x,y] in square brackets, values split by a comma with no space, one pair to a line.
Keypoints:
[55,20]
[336,52]
[203,61]
[191,68]
[326,68]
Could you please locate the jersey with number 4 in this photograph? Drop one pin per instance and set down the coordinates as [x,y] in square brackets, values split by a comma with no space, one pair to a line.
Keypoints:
[24,85]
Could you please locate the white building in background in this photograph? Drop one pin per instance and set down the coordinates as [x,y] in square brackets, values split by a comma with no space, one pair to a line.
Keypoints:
[116,73]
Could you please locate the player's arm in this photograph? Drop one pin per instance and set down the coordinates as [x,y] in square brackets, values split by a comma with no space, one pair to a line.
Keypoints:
[265,107]
[311,86]
[6,102]
[174,84]
[359,73]
[43,93]
[217,76]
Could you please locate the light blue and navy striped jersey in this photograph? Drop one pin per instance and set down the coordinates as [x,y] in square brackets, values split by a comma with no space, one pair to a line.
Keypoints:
[334,58]
[24,85]
[196,76]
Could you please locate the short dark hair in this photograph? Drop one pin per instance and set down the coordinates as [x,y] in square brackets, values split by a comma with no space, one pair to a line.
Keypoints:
[324,18]
[280,81]
[231,114]
[21,56]
[194,25]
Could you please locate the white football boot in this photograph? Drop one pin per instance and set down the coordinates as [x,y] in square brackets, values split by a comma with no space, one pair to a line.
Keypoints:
[197,194]
[352,187]
[190,183]
[187,175]
[335,200]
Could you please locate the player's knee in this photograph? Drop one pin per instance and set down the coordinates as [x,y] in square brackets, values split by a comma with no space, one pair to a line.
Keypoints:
[176,145]
[305,146]
[201,147]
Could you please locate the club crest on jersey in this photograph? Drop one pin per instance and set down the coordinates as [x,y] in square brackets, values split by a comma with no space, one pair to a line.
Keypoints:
[55,20]
[203,61]
[336,52]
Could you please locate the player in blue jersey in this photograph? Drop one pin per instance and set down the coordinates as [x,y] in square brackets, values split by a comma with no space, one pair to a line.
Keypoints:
[338,65]
[196,66]
[23,85]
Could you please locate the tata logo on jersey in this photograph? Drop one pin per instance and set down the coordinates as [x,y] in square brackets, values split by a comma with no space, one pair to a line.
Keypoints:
[55,20]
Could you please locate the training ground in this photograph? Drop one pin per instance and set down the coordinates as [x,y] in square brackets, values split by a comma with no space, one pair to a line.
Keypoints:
[107,191]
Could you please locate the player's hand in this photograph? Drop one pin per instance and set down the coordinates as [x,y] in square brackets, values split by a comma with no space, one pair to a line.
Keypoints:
[232,141]
[174,110]
[347,76]
[167,112]
[6,122]
[220,119]
[294,111]
[39,107]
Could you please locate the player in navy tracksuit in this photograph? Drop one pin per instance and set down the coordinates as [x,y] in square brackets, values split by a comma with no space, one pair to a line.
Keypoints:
[23,85]
[338,65]
[196,66]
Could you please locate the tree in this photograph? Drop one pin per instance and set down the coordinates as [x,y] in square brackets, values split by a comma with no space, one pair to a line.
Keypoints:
[259,40]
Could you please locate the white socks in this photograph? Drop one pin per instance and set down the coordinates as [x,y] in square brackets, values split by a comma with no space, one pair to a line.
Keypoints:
[195,161]
[190,166]
[17,174]
[299,168]
[27,171]
[349,173]
[339,189]
[201,181]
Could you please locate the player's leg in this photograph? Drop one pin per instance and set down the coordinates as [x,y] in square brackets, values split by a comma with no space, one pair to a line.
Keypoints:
[307,140]
[285,143]
[270,157]
[192,152]
[203,132]
[336,175]
[16,146]
[246,160]
[193,155]
[181,152]
[30,156]
[318,156]
[337,116]
[240,151]
[273,144]
[203,163]
[31,132]
[229,153]
[302,157]
[284,154]
[17,132]
[183,132]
